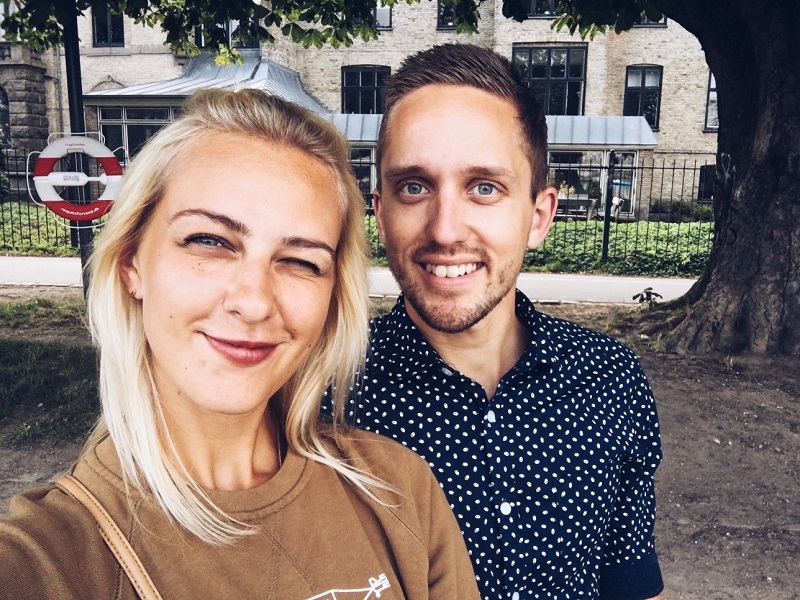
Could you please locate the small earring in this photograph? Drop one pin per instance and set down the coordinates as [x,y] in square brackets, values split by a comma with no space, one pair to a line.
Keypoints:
[132,293]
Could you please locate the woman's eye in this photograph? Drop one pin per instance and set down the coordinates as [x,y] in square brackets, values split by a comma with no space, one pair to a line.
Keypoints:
[206,240]
[412,188]
[304,265]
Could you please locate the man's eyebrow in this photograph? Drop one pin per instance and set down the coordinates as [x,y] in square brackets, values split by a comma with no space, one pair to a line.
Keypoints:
[489,172]
[312,244]
[398,172]
[223,220]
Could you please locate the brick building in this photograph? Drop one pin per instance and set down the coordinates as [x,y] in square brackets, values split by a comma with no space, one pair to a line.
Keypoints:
[133,84]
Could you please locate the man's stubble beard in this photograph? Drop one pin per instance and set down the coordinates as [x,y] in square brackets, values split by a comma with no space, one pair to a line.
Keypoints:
[438,314]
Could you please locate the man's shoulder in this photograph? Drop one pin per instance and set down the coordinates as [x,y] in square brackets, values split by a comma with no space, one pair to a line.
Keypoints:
[560,336]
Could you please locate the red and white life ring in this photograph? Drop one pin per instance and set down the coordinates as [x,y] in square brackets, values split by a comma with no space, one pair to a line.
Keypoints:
[44,178]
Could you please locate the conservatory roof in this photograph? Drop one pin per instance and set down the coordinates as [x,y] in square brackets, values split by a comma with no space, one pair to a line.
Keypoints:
[202,72]
[599,132]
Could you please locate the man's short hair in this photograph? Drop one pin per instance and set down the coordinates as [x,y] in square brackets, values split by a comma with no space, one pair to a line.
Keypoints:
[481,68]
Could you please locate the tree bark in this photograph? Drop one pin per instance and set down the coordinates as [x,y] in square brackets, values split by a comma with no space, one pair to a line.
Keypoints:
[748,298]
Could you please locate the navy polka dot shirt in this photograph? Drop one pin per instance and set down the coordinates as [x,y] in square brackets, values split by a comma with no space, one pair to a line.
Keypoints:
[551,479]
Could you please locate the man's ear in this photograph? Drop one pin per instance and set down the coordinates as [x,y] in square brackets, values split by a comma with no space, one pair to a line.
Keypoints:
[544,210]
[377,205]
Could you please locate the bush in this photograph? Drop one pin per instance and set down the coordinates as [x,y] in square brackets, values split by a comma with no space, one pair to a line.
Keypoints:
[638,248]
[32,230]
[682,210]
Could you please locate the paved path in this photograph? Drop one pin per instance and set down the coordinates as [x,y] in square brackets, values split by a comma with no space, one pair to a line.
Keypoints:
[540,287]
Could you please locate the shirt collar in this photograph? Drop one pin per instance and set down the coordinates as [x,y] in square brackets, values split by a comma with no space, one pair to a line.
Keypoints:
[408,342]
[403,339]
[543,347]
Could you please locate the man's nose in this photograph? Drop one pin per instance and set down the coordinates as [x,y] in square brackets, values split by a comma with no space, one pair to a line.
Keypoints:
[447,220]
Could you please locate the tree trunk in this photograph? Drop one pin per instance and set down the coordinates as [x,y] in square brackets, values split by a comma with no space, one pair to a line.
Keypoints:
[748,298]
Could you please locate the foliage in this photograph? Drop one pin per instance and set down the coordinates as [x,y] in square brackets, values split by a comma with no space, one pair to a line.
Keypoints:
[590,17]
[32,230]
[638,248]
[690,211]
[4,181]
[40,23]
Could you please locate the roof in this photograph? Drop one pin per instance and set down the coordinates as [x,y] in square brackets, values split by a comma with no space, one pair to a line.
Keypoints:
[580,131]
[202,72]
[357,128]
[602,132]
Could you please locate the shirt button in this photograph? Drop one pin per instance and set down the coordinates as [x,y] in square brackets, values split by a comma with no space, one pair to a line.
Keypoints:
[490,416]
[505,508]
[515,596]
[447,371]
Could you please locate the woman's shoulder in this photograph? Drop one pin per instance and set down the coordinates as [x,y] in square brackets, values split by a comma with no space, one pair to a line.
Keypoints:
[44,542]
[382,457]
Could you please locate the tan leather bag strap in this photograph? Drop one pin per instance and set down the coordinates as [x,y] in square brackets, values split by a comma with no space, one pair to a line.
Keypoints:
[114,538]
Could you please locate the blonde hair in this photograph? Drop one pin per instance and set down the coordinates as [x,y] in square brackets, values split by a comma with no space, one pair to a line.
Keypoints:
[131,413]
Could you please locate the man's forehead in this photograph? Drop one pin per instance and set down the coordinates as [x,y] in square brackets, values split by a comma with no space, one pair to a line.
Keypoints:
[454,94]
[448,123]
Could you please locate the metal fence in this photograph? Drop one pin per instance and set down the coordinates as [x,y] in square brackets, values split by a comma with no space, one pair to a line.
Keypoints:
[26,225]
[653,217]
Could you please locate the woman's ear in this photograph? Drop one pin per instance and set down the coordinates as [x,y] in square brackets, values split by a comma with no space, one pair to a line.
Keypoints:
[544,210]
[131,275]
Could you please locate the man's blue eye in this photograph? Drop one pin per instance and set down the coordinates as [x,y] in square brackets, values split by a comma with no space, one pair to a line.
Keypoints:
[414,188]
[484,189]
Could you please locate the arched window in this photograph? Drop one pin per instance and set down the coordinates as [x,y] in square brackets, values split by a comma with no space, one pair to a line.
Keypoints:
[5,119]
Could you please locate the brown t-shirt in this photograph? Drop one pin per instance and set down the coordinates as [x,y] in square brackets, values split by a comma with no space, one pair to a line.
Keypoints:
[318,537]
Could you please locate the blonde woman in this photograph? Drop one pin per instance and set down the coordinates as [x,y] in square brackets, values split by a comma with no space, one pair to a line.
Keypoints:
[228,291]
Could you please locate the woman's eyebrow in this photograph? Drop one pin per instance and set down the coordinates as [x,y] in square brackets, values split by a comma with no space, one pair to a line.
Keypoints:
[223,220]
[301,242]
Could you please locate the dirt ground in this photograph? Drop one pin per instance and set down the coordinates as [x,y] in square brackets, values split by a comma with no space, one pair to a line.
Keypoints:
[728,523]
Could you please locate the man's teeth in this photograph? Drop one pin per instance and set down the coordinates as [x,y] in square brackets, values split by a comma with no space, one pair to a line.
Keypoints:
[450,270]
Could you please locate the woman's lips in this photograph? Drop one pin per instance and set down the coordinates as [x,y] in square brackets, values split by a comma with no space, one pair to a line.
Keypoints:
[240,352]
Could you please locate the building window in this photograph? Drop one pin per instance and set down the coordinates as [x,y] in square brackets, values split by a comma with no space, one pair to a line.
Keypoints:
[541,8]
[446,17]
[557,76]
[5,119]
[712,112]
[362,89]
[643,93]
[381,17]
[362,159]
[126,129]
[647,22]
[108,28]
[232,38]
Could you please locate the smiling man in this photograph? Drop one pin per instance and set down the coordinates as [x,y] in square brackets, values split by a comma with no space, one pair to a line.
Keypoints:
[543,434]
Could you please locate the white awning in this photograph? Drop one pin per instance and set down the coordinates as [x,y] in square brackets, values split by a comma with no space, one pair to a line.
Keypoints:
[202,72]
[570,131]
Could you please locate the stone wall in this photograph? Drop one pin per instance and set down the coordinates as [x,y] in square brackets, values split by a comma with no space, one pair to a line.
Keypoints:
[22,76]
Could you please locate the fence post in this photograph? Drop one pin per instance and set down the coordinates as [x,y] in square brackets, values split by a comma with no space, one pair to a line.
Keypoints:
[612,160]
